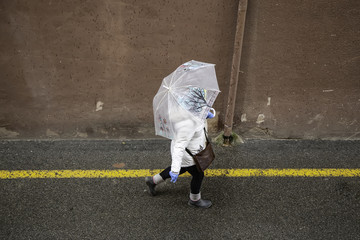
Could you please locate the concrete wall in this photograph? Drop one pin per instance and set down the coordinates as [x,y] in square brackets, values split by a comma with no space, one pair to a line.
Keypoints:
[301,69]
[90,69]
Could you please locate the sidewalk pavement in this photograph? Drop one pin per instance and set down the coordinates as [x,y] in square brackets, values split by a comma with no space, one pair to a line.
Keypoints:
[121,208]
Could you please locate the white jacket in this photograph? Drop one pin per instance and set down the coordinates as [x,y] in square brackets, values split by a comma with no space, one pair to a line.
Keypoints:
[189,133]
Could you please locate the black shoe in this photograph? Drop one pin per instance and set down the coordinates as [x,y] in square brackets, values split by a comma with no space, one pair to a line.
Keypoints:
[150,182]
[200,203]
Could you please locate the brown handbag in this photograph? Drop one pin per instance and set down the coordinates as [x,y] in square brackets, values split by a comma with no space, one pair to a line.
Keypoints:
[204,158]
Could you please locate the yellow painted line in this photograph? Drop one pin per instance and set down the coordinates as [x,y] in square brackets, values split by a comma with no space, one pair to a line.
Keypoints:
[302,172]
[138,173]
[4,174]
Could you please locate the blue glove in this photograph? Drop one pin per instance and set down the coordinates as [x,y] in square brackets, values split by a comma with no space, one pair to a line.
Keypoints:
[210,115]
[173,176]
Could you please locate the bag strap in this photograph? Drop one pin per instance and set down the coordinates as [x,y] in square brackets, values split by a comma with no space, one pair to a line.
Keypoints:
[188,151]
[207,139]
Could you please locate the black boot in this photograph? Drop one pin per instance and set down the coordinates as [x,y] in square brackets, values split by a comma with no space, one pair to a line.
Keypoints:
[200,203]
[150,182]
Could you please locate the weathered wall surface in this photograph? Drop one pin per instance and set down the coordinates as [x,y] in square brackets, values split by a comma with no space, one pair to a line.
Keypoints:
[300,73]
[60,58]
[91,68]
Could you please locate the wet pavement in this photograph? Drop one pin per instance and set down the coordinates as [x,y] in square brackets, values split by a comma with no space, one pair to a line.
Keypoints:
[121,208]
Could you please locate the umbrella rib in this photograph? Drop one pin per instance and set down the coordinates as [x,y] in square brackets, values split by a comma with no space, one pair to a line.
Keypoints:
[161,100]
[172,77]
[176,79]
[208,89]
[184,74]
[172,133]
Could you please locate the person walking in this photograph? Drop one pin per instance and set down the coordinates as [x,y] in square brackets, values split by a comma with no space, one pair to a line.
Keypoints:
[181,108]
[189,134]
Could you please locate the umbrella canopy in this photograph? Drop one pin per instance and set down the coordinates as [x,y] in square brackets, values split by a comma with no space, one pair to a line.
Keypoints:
[189,91]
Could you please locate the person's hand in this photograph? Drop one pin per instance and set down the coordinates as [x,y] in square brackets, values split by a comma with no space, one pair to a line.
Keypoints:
[173,176]
[210,115]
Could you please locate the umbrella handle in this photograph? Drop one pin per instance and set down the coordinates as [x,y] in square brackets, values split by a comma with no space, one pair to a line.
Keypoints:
[213,111]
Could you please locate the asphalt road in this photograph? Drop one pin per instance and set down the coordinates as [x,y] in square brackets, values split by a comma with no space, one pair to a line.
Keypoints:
[121,208]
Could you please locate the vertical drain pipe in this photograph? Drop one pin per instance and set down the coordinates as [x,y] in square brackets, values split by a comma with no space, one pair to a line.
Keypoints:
[235,68]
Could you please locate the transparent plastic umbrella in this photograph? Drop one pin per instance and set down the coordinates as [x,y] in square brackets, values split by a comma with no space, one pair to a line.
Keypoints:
[190,90]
